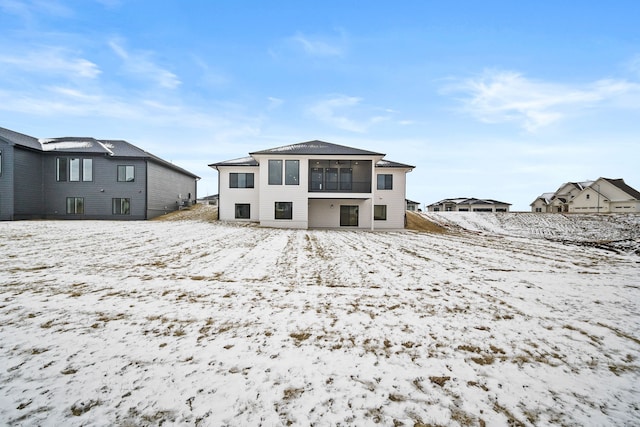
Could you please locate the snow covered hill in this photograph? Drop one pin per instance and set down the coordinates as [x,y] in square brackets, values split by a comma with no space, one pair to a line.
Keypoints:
[194,322]
[616,232]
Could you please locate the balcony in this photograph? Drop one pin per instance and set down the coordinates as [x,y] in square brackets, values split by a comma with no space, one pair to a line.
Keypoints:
[340,176]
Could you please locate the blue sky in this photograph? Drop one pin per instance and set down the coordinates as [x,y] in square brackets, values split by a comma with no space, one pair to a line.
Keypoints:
[488,99]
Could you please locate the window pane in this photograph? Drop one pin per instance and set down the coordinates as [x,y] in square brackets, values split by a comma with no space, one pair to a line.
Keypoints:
[284,210]
[317,177]
[385,182]
[243,211]
[380,212]
[61,169]
[275,172]
[331,176]
[126,173]
[87,169]
[249,180]
[345,178]
[74,170]
[79,205]
[292,172]
[71,205]
[348,216]
[233,180]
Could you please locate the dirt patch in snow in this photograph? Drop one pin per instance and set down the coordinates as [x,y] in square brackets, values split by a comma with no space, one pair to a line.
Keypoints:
[197,212]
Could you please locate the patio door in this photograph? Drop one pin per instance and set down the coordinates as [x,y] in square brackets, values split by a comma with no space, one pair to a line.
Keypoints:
[348,216]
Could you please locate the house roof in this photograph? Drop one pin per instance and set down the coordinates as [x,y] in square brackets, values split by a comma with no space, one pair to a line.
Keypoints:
[545,197]
[19,139]
[243,161]
[319,148]
[72,144]
[412,202]
[390,164]
[624,187]
[469,201]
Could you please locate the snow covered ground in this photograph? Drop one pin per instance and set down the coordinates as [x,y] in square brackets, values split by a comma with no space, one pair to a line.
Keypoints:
[205,323]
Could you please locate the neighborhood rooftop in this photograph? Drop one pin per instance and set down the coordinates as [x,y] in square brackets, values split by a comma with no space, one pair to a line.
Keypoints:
[71,144]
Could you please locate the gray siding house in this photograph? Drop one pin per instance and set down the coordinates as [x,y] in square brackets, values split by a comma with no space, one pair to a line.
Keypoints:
[86,178]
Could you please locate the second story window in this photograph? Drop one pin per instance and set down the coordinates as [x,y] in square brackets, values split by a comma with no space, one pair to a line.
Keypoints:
[87,169]
[74,169]
[385,182]
[240,180]
[61,169]
[275,172]
[126,173]
[292,172]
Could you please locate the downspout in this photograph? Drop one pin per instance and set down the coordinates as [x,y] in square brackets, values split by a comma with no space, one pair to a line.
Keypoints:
[219,193]
[373,194]
[146,189]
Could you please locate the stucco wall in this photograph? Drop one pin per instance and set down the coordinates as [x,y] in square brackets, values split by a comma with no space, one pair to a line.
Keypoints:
[228,197]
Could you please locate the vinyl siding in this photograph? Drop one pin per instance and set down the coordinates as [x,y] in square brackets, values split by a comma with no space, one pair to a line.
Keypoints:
[28,195]
[99,193]
[6,182]
[166,188]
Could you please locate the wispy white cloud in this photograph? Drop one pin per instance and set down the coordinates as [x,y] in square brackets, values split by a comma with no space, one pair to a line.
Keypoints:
[28,10]
[274,103]
[52,60]
[340,110]
[317,46]
[140,64]
[331,45]
[508,96]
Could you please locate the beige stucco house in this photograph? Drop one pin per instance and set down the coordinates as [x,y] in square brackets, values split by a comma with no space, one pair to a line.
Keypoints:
[603,195]
[313,184]
[468,204]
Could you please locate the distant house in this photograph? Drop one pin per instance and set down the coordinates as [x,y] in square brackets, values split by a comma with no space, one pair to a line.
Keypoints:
[413,206]
[86,178]
[209,200]
[603,195]
[313,184]
[467,204]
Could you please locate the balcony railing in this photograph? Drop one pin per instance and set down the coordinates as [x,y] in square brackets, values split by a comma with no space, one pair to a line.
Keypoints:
[341,187]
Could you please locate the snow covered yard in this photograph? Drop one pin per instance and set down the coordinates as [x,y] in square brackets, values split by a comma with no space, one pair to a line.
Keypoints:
[206,323]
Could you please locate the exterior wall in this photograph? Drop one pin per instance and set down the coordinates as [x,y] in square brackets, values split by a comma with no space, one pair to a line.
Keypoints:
[97,194]
[394,199]
[28,175]
[228,197]
[6,181]
[539,206]
[297,194]
[589,201]
[166,189]
[311,209]
[632,206]
[325,213]
[603,197]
